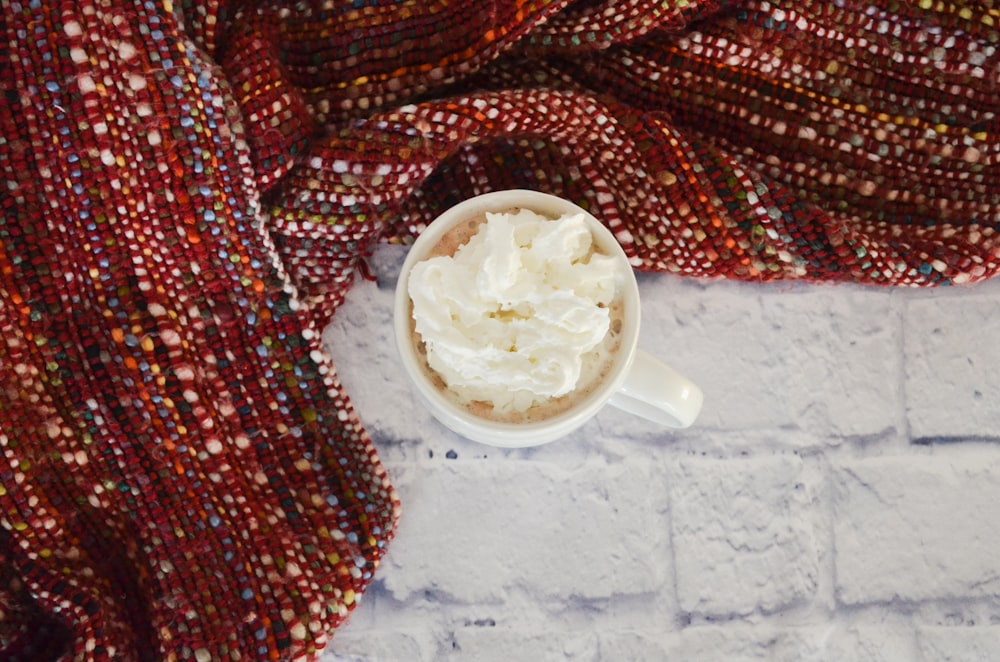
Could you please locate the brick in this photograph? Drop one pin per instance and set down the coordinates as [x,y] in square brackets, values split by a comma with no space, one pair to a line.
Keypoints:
[590,533]
[502,645]
[733,643]
[772,357]
[380,646]
[742,534]
[737,643]
[959,644]
[952,349]
[865,643]
[632,646]
[917,528]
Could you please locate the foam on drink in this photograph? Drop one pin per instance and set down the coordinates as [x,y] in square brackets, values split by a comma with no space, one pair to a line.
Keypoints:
[517,316]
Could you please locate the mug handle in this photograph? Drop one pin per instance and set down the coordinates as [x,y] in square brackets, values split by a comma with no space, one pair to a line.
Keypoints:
[657,392]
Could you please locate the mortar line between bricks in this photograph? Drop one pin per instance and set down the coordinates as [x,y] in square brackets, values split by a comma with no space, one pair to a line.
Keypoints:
[954,439]
[901,304]
[682,619]
[826,596]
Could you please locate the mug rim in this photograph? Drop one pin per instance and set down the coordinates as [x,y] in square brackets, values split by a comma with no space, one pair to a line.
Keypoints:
[500,433]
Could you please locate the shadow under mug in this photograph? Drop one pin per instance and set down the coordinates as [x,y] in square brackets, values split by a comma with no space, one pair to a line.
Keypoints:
[637,382]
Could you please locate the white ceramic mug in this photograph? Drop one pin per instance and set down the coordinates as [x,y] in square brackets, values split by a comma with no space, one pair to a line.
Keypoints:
[637,382]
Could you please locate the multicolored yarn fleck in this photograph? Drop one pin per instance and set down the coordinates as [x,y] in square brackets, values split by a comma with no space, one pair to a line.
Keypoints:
[191,185]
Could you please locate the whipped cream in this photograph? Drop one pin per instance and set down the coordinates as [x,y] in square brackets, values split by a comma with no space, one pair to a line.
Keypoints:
[509,317]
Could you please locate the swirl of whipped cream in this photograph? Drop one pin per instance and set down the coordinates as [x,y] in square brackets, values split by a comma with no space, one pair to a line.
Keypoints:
[510,316]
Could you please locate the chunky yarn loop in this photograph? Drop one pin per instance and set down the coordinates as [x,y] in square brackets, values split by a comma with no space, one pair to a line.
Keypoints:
[190,187]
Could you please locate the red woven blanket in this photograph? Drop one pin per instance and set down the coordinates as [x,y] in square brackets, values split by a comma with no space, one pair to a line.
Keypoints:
[190,187]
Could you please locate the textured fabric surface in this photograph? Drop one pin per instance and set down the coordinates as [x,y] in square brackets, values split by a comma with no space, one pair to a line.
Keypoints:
[191,186]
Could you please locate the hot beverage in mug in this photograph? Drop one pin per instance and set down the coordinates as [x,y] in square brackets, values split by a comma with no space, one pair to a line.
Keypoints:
[517,319]
[517,316]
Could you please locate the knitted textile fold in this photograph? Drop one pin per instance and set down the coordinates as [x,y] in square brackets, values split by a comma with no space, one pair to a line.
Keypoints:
[191,186]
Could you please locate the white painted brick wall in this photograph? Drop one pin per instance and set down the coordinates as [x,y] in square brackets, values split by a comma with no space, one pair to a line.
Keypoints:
[839,499]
